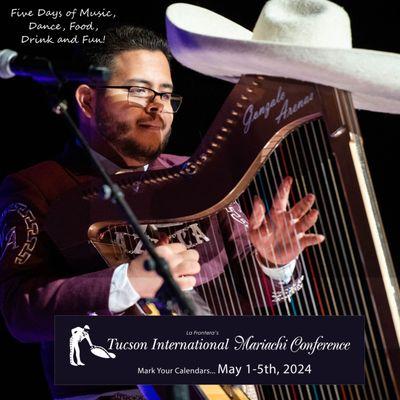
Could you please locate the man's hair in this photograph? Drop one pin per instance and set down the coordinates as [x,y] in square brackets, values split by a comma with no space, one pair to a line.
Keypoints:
[125,38]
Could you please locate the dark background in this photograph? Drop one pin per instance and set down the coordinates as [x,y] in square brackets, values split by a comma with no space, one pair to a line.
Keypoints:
[31,133]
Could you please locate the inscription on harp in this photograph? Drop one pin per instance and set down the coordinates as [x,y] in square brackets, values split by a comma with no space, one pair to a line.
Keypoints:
[128,241]
[191,236]
[251,115]
[119,238]
[287,110]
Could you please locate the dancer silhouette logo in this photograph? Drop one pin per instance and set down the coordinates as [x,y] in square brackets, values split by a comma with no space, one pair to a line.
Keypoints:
[79,334]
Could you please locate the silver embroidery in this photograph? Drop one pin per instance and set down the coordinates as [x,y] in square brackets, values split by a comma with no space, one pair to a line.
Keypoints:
[10,239]
[288,292]
[237,216]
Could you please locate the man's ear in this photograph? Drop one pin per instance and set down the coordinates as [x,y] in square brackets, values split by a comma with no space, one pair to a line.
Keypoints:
[85,97]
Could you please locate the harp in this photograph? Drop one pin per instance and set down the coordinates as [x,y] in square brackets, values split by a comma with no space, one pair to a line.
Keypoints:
[267,129]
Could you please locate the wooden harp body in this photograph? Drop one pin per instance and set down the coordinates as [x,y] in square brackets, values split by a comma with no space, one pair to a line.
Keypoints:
[267,129]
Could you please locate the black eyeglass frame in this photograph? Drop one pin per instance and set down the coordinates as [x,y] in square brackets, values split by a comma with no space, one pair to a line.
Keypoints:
[151,99]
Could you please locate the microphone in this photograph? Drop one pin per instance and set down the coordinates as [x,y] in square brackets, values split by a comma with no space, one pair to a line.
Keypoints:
[41,69]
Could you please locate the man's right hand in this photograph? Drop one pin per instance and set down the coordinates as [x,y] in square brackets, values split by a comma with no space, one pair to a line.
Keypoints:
[183,263]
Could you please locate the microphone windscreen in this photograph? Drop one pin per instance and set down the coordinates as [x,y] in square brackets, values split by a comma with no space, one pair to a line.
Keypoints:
[6,56]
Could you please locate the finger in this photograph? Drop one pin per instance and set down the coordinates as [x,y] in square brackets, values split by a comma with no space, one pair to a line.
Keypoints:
[282,195]
[164,250]
[174,260]
[261,235]
[177,247]
[311,240]
[258,214]
[186,282]
[190,255]
[302,207]
[307,221]
[171,248]
[168,254]
[186,268]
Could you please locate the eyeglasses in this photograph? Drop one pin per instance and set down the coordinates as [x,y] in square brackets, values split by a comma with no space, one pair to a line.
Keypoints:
[143,96]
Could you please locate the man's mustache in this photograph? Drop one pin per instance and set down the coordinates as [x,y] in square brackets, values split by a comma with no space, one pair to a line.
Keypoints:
[156,122]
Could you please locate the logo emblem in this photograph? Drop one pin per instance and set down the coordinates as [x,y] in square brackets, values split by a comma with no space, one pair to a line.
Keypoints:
[79,334]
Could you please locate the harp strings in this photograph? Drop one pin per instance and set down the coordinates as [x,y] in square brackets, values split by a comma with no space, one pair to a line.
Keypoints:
[350,274]
[358,293]
[320,297]
[304,185]
[254,279]
[302,189]
[277,173]
[344,310]
[332,281]
[285,170]
[265,190]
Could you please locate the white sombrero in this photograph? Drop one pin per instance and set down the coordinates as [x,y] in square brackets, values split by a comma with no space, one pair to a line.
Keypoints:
[308,40]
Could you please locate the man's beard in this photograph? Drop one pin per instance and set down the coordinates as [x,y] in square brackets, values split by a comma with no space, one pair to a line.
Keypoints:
[117,134]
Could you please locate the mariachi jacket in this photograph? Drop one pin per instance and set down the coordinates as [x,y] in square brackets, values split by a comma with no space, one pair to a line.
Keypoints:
[37,282]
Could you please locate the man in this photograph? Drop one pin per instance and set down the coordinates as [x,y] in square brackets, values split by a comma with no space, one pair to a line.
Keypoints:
[127,122]
[78,334]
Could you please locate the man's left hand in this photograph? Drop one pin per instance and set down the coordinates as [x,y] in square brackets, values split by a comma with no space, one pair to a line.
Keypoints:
[279,236]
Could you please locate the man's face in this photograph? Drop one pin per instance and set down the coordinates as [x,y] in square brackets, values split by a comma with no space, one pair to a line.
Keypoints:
[137,133]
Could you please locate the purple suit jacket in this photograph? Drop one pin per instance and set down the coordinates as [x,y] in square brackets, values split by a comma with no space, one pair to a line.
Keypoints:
[37,282]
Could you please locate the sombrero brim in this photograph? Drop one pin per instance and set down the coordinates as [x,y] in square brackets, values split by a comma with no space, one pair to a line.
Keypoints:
[213,45]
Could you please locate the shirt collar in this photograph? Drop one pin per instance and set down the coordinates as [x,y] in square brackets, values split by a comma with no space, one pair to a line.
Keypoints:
[112,168]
